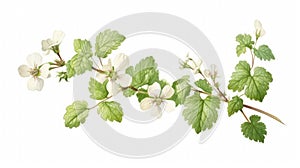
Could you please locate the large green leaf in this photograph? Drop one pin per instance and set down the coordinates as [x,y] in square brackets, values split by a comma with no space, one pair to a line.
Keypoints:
[111,111]
[81,62]
[107,41]
[145,72]
[255,85]
[98,90]
[201,113]
[264,53]
[254,130]
[76,114]
[182,89]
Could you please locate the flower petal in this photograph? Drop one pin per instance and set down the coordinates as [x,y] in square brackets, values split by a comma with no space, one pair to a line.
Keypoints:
[257,25]
[44,71]
[46,45]
[34,59]
[146,103]
[113,88]
[108,66]
[169,105]
[167,92]
[24,70]
[121,61]
[124,80]
[101,77]
[35,84]
[156,111]
[58,37]
[154,90]
[262,32]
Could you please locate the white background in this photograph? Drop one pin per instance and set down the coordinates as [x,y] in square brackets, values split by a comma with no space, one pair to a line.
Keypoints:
[32,132]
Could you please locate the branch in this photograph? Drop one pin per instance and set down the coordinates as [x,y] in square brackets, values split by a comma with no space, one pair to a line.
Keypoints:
[263,112]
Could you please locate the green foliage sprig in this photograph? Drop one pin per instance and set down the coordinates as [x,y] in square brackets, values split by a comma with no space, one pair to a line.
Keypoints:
[201,100]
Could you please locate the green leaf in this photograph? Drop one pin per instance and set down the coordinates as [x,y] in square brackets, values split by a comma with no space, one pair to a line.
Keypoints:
[182,89]
[141,96]
[76,114]
[107,41]
[264,53]
[254,130]
[204,85]
[70,69]
[234,105]
[111,111]
[145,72]
[239,78]
[201,113]
[128,92]
[98,90]
[258,84]
[245,42]
[162,83]
[81,61]
[255,85]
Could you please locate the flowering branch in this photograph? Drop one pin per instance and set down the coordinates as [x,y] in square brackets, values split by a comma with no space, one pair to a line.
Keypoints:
[201,102]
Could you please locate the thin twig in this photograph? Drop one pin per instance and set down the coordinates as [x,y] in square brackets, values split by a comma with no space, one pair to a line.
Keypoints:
[99,102]
[263,112]
[244,115]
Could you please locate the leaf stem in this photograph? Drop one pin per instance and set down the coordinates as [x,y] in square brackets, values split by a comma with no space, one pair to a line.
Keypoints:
[253,58]
[98,70]
[99,102]
[263,112]
[135,89]
[59,56]
[200,91]
[245,115]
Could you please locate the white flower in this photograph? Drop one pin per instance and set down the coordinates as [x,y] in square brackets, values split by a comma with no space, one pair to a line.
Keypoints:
[195,66]
[259,31]
[157,101]
[35,69]
[115,73]
[49,44]
[212,73]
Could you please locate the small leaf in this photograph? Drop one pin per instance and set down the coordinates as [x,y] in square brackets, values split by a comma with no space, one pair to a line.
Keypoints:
[70,70]
[254,130]
[81,61]
[141,96]
[76,114]
[98,90]
[234,105]
[111,111]
[245,42]
[264,53]
[201,113]
[182,89]
[128,92]
[204,85]
[144,73]
[107,41]
[162,83]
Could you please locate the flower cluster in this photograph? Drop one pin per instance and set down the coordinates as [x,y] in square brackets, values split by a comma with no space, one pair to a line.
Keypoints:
[36,69]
